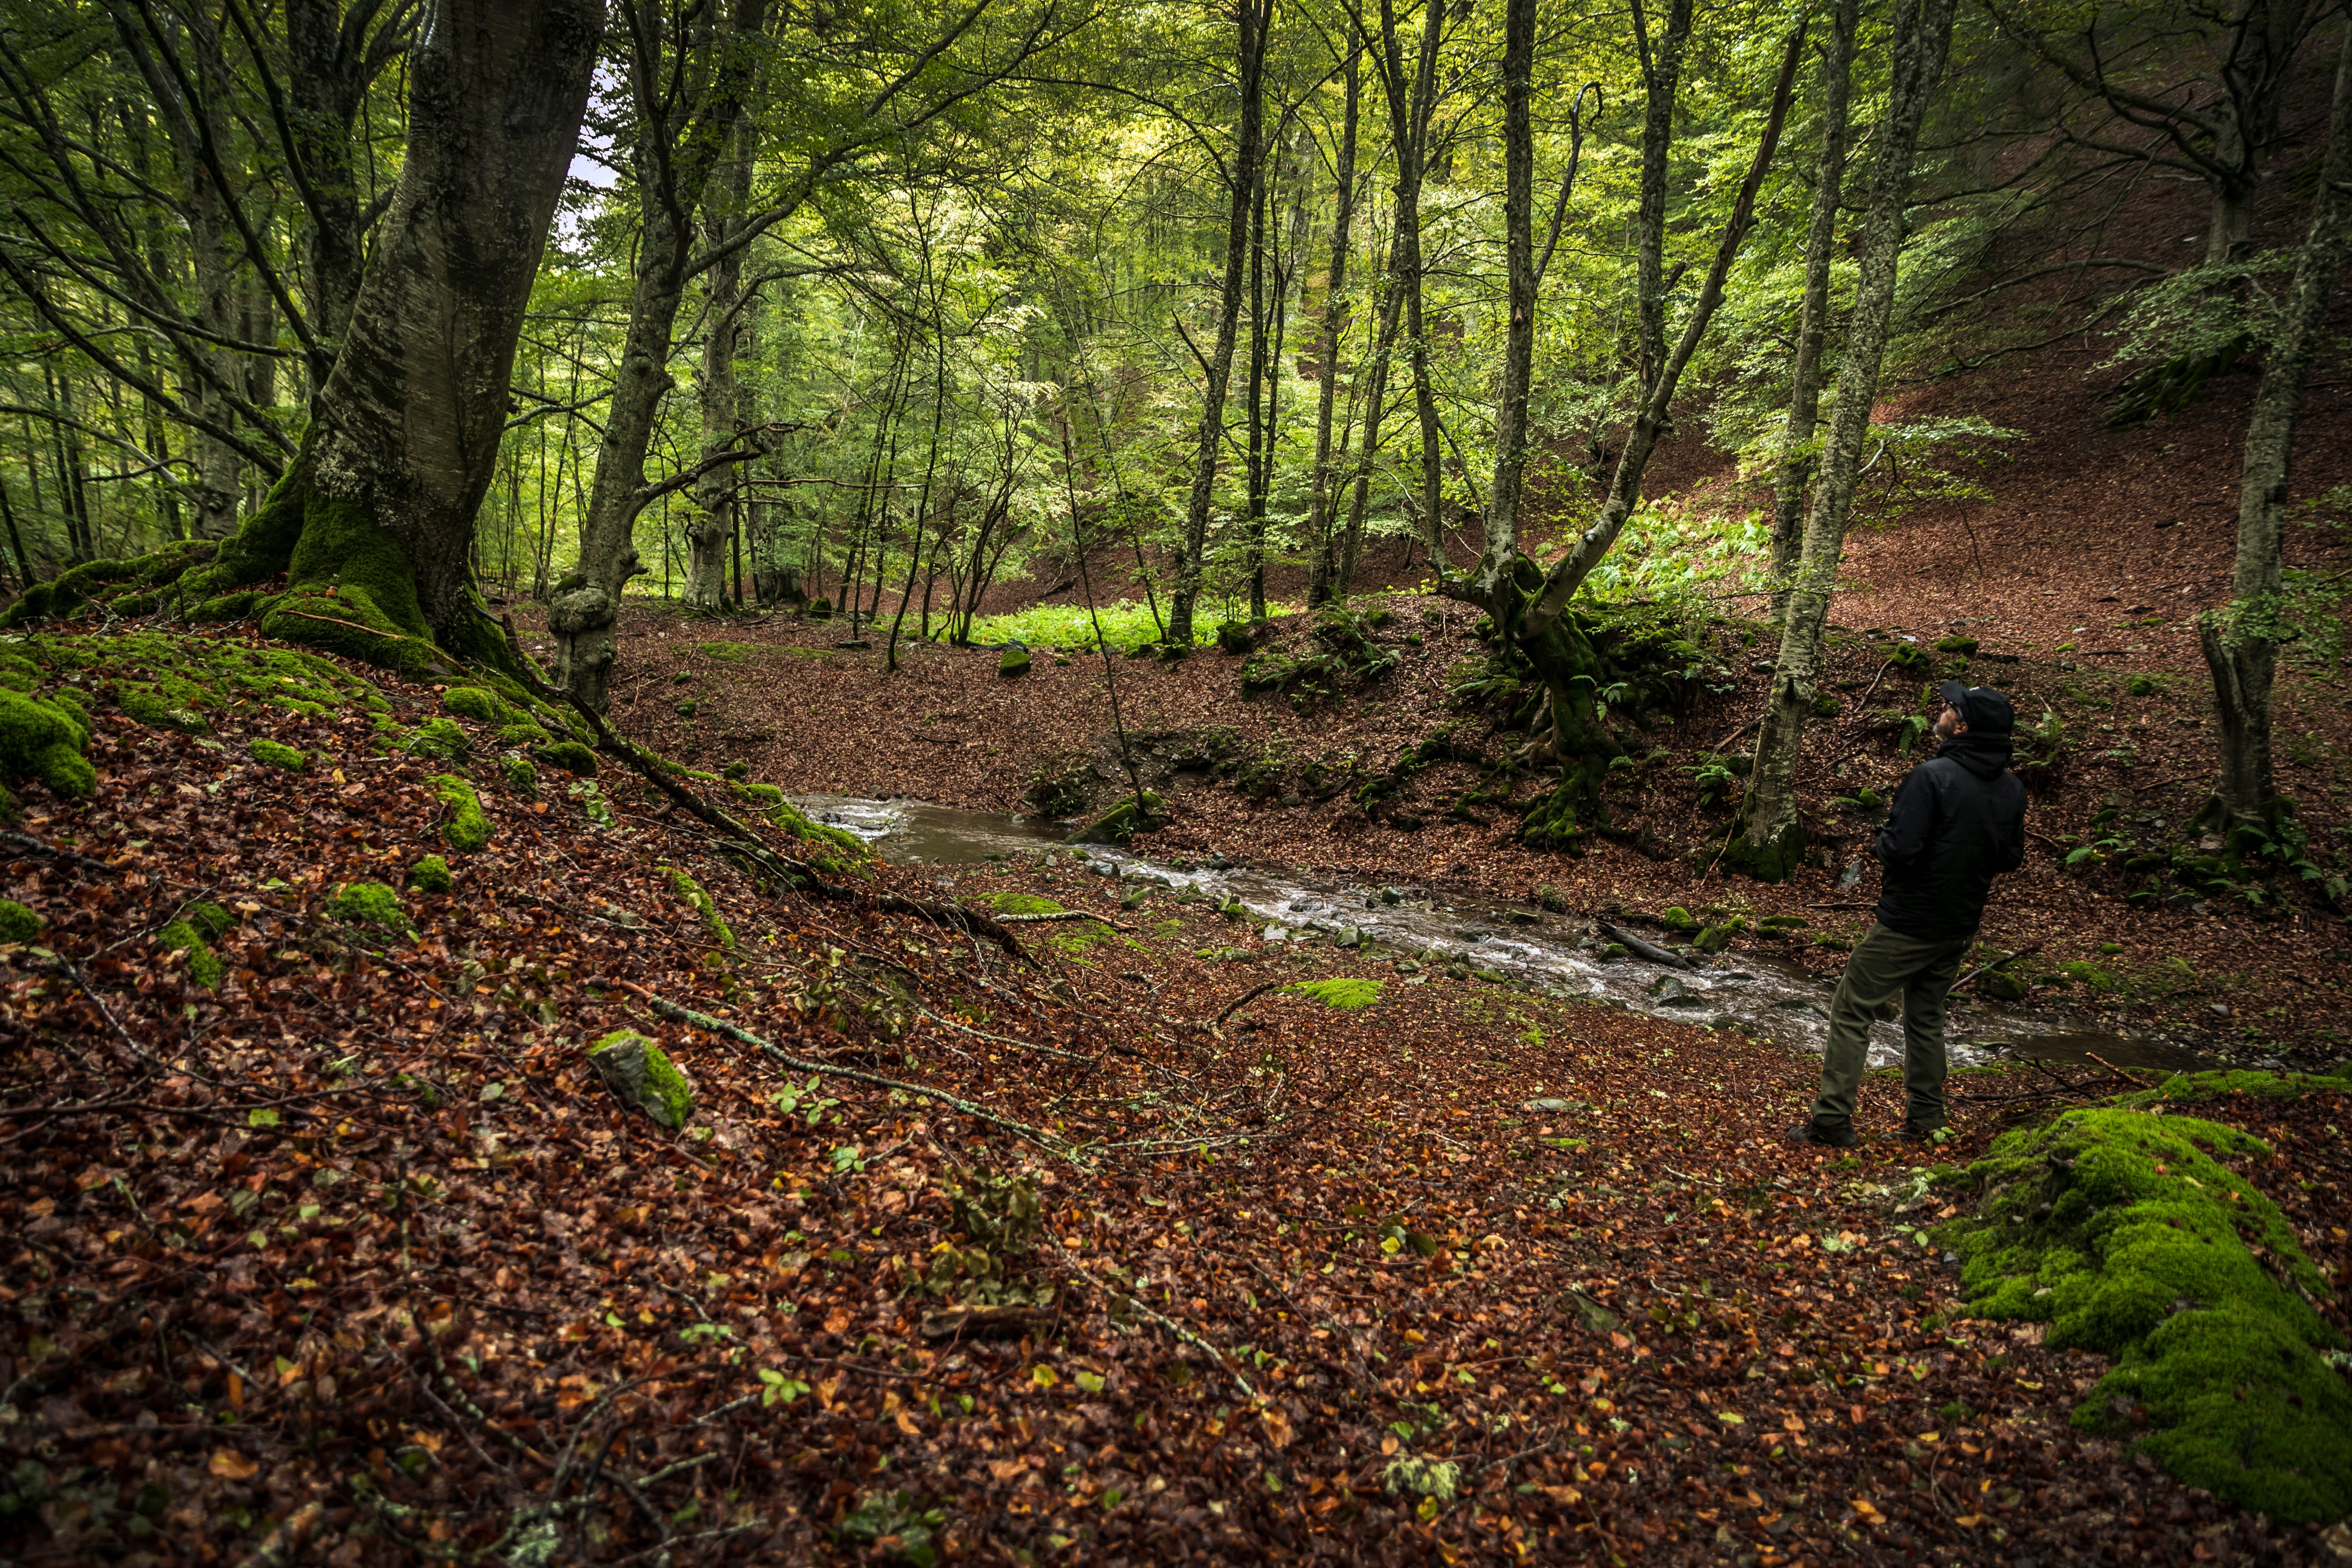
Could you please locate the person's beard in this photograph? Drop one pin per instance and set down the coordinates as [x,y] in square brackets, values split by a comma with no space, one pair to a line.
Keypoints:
[1947,724]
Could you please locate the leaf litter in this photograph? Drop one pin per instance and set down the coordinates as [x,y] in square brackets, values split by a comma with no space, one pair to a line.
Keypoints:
[350,1255]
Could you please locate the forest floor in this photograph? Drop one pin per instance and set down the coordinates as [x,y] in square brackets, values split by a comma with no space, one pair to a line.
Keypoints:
[342,1253]
[351,1258]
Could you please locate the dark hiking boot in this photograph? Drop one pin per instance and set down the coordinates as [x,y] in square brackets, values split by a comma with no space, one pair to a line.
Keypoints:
[1826,1135]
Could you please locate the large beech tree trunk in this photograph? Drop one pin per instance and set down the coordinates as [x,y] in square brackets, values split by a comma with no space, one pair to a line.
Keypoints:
[1796,466]
[375,521]
[1771,832]
[1254,17]
[2241,639]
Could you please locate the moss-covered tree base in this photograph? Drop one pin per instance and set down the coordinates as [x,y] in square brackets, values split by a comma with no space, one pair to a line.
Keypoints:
[1564,660]
[1775,860]
[350,589]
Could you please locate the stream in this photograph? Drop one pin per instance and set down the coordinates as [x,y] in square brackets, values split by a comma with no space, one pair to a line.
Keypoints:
[1759,993]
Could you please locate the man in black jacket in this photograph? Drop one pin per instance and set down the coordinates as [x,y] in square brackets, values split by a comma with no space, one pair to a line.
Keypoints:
[1959,820]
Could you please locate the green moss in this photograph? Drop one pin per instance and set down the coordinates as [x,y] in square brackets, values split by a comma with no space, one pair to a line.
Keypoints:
[521,777]
[2189,1087]
[1023,904]
[524,734]
[642,1076]
[466,828]
[18,673]
[194,932]
[481,706]
[431,874]
[234,606]
[1677,917]
[728,652]
[351,590]
[17,924]
[691,891]
[1121,822]
[2123,1232]
[2089,975]
[43,740]
[847,850]
[765,797]
[278,756]
[570,755]
[1015,662]
[443,740]
[1715,938]
[1348,992]
[370,904]
[1773,861]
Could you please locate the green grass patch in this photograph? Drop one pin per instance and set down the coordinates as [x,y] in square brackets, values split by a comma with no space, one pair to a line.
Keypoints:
[2125,1233]
[1124,625]
[1350,992]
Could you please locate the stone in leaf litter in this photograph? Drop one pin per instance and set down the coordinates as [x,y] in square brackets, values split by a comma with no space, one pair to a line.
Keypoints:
[643,1077]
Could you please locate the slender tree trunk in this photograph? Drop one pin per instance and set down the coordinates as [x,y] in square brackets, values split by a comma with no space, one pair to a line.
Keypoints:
[1772,833]
[1324,584]
[1409,122]
[712,522]
[1260,339]
[2241,639]
[1796,466]
[1376,393]
[379,507]
[682,138]
[1254,17]
[1502,520]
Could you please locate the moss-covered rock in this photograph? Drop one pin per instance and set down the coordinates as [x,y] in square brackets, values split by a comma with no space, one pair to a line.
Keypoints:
[445,740]
[43,740]
[17,924]
[570,755]
[521,777]
[641,1076]
[431,874]
[692,892]
[1015,661]
[1349,992]
[278,756]
[1121,822]
[1715,938]
[193,933]
[481,705]
[466,827]
[370,904]
[2125,1233]
[525,734]
[1675,917]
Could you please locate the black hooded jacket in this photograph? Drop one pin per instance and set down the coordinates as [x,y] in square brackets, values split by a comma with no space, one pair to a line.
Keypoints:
[1958,821]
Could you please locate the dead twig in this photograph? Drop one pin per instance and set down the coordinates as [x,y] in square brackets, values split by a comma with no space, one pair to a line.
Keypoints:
[1997,964]
[677,1014]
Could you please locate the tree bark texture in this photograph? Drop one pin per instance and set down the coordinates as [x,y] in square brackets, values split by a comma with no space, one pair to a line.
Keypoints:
[1771,832]
[375,521]
[1253,18]
[718,507]
[682,139]
[2241,639]
[1796,466]
[1502,519]
[1323,582]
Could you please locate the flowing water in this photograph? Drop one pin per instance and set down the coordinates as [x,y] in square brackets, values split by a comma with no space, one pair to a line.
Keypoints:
[1759,993]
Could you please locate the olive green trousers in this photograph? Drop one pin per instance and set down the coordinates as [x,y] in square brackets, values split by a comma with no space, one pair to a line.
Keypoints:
[1886,965]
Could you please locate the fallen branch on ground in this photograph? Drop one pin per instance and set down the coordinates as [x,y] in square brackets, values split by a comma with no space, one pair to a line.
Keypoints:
[1063,915]
[677,1014]
[1646,950]
[1997,964]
